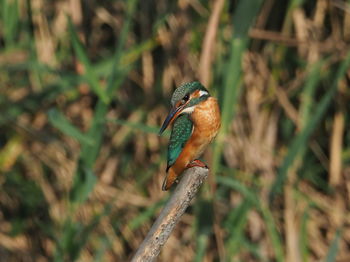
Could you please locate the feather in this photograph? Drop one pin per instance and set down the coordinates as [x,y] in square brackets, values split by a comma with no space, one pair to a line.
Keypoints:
[180,134]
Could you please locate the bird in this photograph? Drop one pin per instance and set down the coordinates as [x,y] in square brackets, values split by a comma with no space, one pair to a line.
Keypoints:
[196,120]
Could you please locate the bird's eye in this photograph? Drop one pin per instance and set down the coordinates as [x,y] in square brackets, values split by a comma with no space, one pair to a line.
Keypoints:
[186,97]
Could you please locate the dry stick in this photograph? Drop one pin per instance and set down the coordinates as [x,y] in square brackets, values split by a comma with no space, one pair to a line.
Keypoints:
[171,214]
[208,50]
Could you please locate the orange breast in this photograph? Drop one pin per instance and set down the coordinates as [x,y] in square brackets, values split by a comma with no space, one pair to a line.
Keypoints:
[206,121]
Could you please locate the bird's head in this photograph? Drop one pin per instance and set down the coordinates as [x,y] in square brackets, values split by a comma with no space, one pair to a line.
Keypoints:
[184,101]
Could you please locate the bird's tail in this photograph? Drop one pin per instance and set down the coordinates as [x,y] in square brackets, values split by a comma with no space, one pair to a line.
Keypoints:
[169,180]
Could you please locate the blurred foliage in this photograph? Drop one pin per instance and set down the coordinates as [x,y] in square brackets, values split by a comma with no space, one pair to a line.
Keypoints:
[85,85]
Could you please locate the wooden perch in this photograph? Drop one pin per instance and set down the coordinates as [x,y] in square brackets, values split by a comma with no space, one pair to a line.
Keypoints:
[171,214]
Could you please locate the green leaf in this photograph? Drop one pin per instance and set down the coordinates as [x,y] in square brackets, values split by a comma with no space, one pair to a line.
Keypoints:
[235,225]
[89,73]
[204,226]
[145,215]
[299,143]
[308,94]
[243,19]
[84,179]
[116,77]
[76,235]
[138,126]
[303,239]
[333,249]
[10,21]
[253,198]
[59,121]
[84,182]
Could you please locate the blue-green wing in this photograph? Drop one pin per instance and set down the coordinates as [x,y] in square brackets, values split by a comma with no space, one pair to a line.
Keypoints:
[180,133]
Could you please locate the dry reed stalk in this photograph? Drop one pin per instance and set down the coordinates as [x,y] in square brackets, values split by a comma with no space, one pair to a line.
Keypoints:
[336,149]
[207,54]
[45,43]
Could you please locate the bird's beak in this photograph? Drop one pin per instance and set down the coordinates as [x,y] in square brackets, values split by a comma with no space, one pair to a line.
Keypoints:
[174,112]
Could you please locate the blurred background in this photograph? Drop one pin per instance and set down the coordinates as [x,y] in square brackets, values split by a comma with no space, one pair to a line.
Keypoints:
[85,86]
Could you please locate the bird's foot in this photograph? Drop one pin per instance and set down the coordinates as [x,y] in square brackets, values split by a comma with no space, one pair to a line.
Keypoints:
[197,162]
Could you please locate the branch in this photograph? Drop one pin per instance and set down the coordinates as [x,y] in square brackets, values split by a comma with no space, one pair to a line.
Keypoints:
[171,214]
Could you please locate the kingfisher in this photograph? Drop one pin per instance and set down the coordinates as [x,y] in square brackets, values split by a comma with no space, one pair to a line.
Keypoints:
[196,121]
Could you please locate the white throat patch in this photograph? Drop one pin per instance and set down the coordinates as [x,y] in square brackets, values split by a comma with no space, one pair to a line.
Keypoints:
[203,93]
[188,110]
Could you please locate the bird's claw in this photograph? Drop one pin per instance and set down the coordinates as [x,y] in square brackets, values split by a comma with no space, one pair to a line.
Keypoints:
[198,163]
